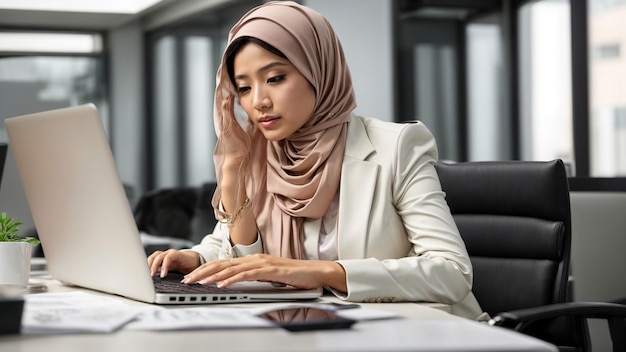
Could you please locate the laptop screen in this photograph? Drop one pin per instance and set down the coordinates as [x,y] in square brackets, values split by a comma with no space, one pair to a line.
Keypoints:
[3,158]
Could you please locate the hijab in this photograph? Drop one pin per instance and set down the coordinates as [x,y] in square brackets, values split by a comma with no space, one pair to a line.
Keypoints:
[296,178]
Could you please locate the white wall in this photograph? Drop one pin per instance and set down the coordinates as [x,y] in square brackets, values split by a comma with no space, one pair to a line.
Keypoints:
[599,245]
[598,258]
[364,28]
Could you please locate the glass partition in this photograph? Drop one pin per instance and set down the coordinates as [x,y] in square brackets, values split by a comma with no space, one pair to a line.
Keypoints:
[607,87]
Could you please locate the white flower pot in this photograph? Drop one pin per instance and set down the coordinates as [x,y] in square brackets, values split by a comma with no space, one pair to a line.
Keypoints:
[15,263]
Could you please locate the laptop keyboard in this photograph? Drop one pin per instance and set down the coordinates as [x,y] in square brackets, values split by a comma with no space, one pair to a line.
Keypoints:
[172,284]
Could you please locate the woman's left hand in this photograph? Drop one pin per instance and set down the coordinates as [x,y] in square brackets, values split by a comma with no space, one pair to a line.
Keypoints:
[303,274]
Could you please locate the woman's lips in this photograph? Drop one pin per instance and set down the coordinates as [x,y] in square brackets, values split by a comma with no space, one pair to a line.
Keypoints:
[268,121]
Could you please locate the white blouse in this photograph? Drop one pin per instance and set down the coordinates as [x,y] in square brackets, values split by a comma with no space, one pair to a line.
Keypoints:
[320,235]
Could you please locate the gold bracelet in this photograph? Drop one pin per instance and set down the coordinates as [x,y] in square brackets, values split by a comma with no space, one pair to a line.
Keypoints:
[229,219]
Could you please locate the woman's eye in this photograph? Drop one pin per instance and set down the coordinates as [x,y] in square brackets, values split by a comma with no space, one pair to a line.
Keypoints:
[275,79]
[242,90]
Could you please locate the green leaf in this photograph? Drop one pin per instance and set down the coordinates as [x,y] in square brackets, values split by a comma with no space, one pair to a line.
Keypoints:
[33,241]
[9,231]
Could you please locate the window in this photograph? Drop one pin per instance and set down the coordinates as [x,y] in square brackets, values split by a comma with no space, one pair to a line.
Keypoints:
[43,42]
[487,114]
[31,84]
[42,71]
[546,130]
[536,80]
[182,119]
[429,91]
[184,60]
[604,52]
[607,88]
[47,70]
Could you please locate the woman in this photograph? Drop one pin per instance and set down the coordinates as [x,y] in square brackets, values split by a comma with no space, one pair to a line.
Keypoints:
[310,194]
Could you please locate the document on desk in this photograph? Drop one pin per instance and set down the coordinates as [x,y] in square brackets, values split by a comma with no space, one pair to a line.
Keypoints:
[71,312]
[161,318]
[81,312]
[76,312]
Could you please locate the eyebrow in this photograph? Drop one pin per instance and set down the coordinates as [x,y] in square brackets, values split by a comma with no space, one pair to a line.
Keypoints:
[264,68]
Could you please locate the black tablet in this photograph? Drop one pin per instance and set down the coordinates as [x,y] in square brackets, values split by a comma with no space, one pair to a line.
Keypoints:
[307,318]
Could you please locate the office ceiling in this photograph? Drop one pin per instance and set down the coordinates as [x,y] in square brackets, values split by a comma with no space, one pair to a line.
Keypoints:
[447,9]
[73,14]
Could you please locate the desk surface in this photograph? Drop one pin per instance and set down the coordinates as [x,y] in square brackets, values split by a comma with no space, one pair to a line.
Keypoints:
[422,328]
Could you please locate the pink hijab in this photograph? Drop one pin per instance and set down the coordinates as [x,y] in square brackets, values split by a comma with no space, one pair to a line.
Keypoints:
[296,178]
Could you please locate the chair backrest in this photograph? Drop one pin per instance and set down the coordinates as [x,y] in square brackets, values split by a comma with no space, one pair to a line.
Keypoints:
[515,219]
[179,212]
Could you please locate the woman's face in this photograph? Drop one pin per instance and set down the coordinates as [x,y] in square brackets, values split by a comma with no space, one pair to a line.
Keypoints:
[274,94]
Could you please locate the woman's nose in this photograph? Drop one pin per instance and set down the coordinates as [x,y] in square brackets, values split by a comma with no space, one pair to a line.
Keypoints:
[261,100]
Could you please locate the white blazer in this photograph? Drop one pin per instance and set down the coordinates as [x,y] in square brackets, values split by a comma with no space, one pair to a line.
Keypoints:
[397,240]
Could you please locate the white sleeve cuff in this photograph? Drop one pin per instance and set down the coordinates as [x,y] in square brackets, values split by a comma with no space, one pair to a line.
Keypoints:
[239,250]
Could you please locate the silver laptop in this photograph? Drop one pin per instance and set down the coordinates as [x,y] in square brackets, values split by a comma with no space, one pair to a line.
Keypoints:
[84,220]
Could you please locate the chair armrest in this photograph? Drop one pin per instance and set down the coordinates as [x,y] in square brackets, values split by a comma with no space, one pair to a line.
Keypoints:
[598,310]
[614,313]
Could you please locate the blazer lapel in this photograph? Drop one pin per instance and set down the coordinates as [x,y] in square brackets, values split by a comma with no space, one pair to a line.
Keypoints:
[358,182]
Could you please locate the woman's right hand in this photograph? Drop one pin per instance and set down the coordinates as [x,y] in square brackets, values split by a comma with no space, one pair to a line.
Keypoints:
[234,138]
[172,259]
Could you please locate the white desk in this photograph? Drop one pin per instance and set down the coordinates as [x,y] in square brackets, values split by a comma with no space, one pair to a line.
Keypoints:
[423,328]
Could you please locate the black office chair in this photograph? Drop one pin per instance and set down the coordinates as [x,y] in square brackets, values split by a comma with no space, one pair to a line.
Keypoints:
[515,219]
[178,212]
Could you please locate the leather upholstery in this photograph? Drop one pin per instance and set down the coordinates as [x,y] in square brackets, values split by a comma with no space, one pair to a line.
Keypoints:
[514,217]
[179,212]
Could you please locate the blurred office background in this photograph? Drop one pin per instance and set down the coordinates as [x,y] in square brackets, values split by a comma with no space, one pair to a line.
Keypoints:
[493,79]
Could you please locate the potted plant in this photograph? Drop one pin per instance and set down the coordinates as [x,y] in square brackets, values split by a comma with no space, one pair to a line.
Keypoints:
[15,252]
